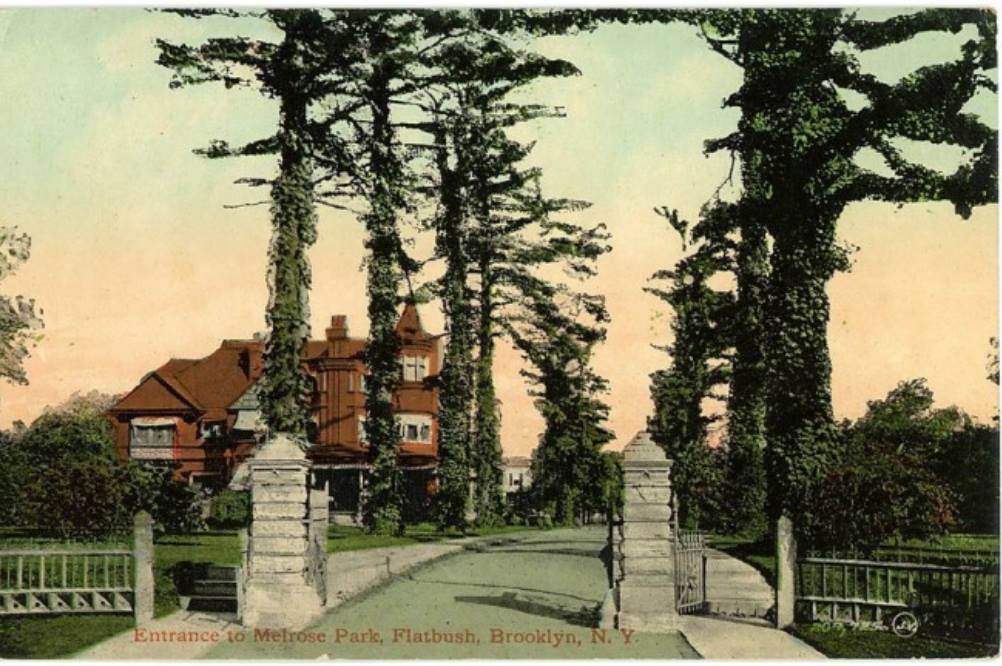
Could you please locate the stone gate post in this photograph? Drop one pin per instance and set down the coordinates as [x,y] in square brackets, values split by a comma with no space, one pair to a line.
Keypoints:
[277,594]
[647,565]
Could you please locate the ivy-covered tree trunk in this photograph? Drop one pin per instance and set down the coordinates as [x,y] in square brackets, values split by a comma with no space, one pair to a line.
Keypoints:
[382,514]
[745,484]
[803,439]
[456,392]
[284,395]
[489,469]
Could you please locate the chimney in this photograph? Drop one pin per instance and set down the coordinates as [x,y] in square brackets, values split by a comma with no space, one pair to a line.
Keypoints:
[338,329]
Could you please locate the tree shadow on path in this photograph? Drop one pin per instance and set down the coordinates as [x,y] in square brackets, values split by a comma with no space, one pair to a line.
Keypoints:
[585,616]
[498,587]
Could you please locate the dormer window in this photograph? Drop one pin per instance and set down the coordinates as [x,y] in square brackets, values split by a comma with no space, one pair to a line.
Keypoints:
[414,368]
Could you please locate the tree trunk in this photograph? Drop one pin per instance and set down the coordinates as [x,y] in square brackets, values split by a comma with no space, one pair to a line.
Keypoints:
[383,512]
[293,216]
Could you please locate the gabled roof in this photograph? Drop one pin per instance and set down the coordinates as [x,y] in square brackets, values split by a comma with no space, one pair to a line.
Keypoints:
[211,385]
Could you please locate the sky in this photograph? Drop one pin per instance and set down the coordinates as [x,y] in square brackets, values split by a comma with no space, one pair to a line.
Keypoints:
[136,257]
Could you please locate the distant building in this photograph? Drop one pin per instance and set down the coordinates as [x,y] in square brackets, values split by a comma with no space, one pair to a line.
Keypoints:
[203,414]
[517,474]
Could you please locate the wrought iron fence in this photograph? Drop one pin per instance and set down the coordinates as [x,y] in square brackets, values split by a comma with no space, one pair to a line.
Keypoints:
[74,581]
[957,600]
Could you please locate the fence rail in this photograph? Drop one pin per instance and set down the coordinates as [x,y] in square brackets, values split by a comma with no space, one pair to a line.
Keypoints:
[36,581]
[959,599]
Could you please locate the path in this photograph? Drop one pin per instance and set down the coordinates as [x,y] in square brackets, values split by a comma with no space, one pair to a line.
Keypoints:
[161,638]
[536,598]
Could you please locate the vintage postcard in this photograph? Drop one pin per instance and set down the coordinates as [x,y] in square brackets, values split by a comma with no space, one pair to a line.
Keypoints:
[481,333]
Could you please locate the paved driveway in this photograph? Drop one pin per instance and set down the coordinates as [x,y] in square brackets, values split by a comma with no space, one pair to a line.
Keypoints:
[538,598]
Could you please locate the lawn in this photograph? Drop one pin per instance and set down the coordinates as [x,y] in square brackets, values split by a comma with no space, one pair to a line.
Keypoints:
[759,554]
[841,642]
[344,538]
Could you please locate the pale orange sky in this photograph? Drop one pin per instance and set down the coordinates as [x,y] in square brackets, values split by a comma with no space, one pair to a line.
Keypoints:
[135,260]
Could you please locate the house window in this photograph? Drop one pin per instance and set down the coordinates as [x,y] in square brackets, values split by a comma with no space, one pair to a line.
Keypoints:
[415,368]
[363,438]
[152,438]
[351,382]
[414,428]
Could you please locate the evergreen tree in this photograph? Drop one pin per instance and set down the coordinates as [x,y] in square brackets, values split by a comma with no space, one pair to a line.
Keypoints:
[698,368]
[557,333]
[290,71]
[456,391]
[486,202]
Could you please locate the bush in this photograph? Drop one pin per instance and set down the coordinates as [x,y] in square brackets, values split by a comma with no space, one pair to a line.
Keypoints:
[70,484]
[230,509]
[175,507]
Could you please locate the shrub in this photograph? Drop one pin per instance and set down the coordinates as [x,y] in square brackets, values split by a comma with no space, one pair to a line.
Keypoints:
[71,485]
[230,509]
[174,506]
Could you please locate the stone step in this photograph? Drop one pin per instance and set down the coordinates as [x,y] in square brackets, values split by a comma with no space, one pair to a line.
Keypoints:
[218,572]
[212,588]
[218,604]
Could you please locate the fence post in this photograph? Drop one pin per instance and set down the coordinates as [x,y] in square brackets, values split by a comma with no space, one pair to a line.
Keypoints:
[786,572]
[244,567]
[142,544]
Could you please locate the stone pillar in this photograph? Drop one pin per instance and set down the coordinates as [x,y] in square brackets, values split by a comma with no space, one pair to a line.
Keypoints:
[647,566]
[142,544]
[277,594]
[786,572]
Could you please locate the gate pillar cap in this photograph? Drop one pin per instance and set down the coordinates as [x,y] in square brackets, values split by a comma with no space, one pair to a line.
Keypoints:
[643,449]
[281,447]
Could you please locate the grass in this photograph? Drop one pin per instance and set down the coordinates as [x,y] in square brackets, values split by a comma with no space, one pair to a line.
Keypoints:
[56,636]
[846,643]
[760,554]
[344,538]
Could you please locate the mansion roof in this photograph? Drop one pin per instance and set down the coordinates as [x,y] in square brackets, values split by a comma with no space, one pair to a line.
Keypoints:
[211,385]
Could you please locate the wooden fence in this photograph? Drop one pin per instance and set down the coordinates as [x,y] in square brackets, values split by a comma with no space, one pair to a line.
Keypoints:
[80,580]
[957,599]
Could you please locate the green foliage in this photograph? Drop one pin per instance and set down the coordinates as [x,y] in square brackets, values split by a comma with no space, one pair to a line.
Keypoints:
[288,71]
[679,424]
[63,478]
[230,509]
[557,334]
[909,471]
[797,141]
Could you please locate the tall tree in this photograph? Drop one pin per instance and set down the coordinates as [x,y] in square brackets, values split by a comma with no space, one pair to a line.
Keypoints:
[557,333]
[798,140]
[290,71]
[487,202]
[698,367]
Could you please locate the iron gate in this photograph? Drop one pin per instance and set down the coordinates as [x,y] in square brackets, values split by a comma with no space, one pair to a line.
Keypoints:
[690,571]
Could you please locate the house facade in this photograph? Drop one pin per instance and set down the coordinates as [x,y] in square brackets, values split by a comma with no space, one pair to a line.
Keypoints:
[203,414]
